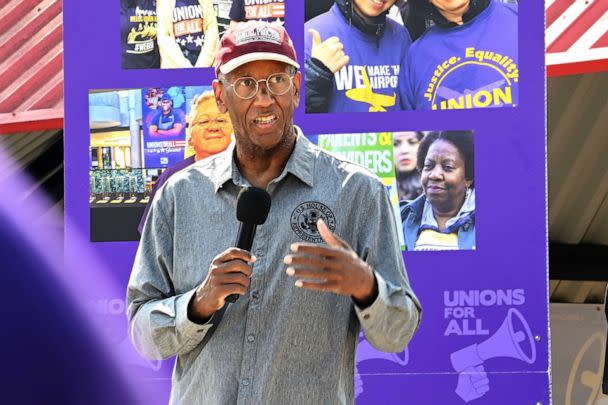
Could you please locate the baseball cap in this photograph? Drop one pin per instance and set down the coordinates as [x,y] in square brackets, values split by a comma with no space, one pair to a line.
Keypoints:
[254,40]
[166,96]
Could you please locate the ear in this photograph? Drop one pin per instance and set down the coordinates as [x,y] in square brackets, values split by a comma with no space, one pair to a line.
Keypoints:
[218,91]
[468,183]
[297,82]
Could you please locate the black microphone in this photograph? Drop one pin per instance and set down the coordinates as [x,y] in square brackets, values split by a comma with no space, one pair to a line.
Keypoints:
[252,207]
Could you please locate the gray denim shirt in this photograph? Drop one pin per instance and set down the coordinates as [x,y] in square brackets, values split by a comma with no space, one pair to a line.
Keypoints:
[278,344]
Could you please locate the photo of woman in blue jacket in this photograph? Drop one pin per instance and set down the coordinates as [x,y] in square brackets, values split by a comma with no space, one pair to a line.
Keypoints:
[443,217]
[353,58]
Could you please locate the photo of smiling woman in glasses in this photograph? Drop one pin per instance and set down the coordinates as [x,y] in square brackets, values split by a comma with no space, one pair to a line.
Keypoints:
[443,217]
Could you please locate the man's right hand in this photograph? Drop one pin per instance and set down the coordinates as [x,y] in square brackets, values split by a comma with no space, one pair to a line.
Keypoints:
[330,52]
[229,273]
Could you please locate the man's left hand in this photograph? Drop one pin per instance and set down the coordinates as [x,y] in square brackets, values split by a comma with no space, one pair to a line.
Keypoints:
[334,268]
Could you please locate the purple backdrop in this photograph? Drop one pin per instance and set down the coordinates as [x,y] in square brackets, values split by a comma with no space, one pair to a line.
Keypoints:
[485,322]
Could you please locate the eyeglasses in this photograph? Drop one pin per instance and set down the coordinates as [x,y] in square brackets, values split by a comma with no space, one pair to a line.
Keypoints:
[247,87]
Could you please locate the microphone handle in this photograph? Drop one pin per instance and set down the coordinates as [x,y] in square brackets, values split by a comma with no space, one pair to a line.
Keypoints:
[244,240]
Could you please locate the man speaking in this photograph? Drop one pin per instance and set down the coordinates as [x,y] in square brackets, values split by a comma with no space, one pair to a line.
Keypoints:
[325,262]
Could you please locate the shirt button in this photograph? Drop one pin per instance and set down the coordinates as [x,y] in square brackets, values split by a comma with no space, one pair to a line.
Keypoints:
[251,338]
[245,381]
[366,316]
[255,295]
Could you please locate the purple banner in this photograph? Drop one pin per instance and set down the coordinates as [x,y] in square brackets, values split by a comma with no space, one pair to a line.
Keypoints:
[484,332]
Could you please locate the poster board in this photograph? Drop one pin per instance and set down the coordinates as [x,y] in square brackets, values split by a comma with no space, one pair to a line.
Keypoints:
[484,334]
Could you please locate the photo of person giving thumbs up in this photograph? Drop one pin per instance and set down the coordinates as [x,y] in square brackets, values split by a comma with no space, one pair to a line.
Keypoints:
[353,55]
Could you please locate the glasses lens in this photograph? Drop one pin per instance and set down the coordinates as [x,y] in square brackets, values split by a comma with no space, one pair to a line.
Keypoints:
[245,87]
[279,83]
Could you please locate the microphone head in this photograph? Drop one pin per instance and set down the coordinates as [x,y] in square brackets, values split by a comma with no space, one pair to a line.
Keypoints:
[252,205]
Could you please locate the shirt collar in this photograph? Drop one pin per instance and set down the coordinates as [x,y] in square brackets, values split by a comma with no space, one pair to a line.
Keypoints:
[301,164]
[222,167]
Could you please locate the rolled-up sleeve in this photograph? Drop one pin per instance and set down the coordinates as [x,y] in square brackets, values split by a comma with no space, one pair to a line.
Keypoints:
[158,317]
[391,320]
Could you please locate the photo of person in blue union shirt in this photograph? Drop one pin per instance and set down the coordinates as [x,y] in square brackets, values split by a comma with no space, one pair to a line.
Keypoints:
[325,264]
[467,59]
[168,121]
[353,57]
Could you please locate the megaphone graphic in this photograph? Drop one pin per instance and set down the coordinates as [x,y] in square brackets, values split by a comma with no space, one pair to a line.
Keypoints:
[129,356]
[585,376]
[365,351]
[508,341]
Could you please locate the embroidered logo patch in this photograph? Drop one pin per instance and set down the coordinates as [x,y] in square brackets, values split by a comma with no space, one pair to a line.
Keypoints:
[258,34]
[304,220]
